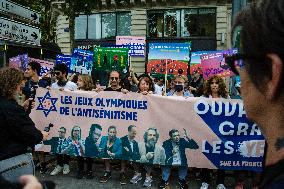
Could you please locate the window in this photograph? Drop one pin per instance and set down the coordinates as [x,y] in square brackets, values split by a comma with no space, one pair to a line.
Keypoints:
[123,24]
[81,27]
[207,22]
[108,25]
[172,23]
[156,24]
[182,23]
[189,22]
[102,26]
[94,26]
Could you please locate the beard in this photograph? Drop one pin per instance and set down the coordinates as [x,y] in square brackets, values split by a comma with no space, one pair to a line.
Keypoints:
[151,143]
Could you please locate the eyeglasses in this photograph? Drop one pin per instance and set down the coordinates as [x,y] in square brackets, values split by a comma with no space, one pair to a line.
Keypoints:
[61,131]
[114,78]
[57,73]
[236,62]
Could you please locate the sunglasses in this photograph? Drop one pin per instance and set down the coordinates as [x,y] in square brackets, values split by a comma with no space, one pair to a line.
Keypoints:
[61,131]
[236,62]
[114,78]
[57,73]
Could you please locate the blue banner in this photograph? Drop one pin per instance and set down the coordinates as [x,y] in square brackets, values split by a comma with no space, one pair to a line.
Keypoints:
[82,61]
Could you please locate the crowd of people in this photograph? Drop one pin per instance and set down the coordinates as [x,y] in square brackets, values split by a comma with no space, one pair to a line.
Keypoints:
[259,64]
[125,148]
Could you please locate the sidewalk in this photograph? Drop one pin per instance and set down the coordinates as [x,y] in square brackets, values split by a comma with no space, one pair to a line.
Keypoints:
[70,182]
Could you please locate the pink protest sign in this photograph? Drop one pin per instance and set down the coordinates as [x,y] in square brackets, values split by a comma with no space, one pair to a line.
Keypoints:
[214,64]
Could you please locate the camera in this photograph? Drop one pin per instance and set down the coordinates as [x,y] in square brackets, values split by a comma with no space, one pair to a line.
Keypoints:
[33,91]
[47,129]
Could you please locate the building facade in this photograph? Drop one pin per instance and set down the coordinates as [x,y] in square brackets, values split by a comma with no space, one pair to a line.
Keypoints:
[206,23]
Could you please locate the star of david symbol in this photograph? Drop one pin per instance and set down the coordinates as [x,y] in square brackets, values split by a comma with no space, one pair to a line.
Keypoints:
[47,104]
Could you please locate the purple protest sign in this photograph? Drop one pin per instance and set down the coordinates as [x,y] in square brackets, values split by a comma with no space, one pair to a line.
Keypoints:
[214,64]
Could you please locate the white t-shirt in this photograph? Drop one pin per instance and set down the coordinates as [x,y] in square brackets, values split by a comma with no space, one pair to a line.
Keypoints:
[176,156]
[70,86]
[159,89]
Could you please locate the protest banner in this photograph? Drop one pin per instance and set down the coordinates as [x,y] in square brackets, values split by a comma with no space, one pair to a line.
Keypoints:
[170,56]
[20,62]
[135,44]
[214,64]
[111,58]
[81,61]
[46,66]
[64,59]
[215,133]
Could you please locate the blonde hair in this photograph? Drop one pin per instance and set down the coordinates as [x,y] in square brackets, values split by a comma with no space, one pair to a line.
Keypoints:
[10,79]
[88,82]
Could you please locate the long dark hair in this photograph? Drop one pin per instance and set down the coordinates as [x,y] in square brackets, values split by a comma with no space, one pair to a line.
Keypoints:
[221,89]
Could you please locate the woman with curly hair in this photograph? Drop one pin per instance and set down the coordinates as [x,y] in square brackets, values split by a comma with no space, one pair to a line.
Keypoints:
[215,87]
[146,85]
[85,82]
[18,131]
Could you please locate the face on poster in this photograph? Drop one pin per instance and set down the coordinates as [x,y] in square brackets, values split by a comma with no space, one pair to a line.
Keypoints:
[171,56]
[82,61]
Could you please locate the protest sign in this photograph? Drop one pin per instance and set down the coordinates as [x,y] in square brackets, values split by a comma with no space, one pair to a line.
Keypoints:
[111,58]
[64,59]
[168,56]
[81,61]
[214,64]
[46,66]
[215,133]
[20,62]
[195,60]
[136,45]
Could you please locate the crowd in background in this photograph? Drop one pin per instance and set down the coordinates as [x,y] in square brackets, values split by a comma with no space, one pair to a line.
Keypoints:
[178,85]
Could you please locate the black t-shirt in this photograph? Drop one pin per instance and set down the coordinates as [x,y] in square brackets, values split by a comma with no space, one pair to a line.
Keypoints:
[110,89]
[31,86]
[198,85]
[150,149]
[273,176]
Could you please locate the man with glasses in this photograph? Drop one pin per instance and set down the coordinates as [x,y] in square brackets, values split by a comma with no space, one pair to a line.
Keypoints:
[58,144]
[114,81]
[258,32]
[61,71]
